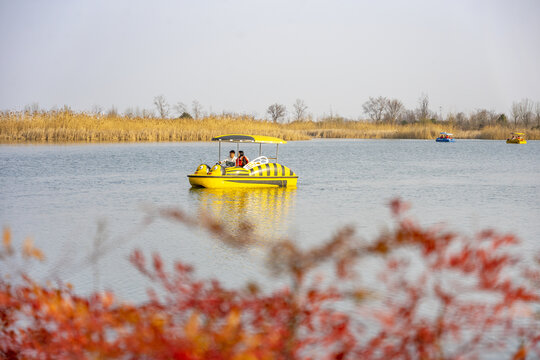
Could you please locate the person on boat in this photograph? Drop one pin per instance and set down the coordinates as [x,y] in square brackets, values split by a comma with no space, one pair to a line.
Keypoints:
[230,161]
[242,159]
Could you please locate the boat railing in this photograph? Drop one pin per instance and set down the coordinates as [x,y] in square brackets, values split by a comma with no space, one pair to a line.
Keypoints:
[256,162]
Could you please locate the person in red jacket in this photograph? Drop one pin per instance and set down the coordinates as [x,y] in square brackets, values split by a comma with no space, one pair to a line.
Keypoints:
[242,160]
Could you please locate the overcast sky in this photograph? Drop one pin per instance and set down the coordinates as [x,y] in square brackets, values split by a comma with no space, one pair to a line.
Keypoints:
[244,55]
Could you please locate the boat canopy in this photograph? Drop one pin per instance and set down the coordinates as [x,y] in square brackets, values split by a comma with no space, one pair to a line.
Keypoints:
[514,133]
[445,133]
[239,138]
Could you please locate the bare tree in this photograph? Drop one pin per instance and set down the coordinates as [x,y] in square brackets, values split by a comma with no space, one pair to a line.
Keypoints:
[374,108]
[180,108]
[526,110]
[461,119]
[276,111]
[423,111]
[129,113]
[393,110]
[408,116]
[516,113]
[147,114]
[162,106]
[112,112]
[96,109]
[299,110]
[196,108]
[32,108]
[537,113]
[482,117]
[451,118]
[523,111]
[138,112]
[493,117]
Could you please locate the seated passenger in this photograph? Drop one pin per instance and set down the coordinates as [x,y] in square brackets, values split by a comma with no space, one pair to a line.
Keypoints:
[230,161]
[242,159]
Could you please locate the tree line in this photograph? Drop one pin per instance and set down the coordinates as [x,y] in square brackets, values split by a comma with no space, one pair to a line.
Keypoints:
[275,111]
[525,113]
[379,110]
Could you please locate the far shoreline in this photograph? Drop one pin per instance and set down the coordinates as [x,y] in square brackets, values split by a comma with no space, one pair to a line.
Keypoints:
[67,127]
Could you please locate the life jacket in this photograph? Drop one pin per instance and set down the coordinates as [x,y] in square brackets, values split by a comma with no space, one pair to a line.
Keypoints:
[242,161]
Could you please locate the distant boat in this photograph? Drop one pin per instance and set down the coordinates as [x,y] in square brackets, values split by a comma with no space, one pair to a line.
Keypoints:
[517,138]
[445,137]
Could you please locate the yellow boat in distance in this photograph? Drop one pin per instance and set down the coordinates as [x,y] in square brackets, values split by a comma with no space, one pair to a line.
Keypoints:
[259,172]
[517,138]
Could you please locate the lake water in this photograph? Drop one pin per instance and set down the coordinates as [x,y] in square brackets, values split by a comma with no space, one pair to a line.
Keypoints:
[59,194]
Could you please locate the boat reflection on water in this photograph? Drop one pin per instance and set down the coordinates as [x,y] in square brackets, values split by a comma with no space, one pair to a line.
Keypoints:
[269,210]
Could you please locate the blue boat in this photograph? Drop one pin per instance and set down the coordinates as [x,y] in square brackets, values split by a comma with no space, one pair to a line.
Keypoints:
[445,137]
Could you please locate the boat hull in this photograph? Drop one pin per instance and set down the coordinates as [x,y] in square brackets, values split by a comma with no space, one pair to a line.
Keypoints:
[444,140]
[228,181]
[515,141]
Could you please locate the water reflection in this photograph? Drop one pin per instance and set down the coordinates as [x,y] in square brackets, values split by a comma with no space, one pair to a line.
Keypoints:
[270,210]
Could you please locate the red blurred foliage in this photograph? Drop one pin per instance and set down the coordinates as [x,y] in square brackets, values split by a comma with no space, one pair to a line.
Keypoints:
[437,295]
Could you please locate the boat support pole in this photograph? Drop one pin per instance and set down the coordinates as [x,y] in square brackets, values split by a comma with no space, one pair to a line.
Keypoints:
[260,149]
[219,152]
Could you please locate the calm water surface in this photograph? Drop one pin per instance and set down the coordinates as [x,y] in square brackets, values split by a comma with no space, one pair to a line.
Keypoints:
[59,194]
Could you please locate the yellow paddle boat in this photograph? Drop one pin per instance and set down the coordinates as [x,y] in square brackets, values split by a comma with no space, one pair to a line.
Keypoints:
[259,172]
[517,138]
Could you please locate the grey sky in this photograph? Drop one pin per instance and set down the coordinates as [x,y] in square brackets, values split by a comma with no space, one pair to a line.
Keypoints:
[244,55]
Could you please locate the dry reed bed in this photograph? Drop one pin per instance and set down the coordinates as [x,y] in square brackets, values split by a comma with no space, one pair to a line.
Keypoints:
[66,126]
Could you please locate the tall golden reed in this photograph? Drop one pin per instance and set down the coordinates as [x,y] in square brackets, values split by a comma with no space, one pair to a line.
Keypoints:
[66,126]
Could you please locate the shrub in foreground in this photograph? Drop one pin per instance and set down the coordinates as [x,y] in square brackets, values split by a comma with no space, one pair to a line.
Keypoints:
[437,295]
